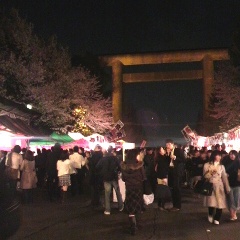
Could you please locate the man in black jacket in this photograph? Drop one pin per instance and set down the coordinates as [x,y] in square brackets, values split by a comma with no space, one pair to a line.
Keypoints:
[108,167]
[94,178]
[149,165]
[52,173]
[176,169]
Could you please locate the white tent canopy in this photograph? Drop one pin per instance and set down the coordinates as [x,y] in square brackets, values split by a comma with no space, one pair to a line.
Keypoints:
[75,136]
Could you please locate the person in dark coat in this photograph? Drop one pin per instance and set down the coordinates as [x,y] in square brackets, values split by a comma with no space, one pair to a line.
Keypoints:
[94,178]
[162,193]
[176,170]
[40,161]
[232,165]
[52,173]
[108,167]
[197,166]
[133,174]
[149,165]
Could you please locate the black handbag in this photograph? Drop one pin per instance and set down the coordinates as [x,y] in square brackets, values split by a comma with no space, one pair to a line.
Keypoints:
[203,187]
[147,189]
[163,192]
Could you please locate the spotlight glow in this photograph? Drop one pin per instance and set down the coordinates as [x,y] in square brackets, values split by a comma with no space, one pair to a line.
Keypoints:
[29,106]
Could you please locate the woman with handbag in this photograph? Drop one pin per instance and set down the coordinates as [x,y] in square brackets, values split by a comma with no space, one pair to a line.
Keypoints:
[162,192]
[232,165]
[215,172]
[133,175]
[28,178]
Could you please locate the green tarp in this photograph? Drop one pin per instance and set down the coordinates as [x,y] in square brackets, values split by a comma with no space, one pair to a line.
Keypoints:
[61,138]
[41,142]
[51,140]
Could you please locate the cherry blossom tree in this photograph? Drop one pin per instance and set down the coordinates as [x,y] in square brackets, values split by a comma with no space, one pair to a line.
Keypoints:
[39,72]
[226,100]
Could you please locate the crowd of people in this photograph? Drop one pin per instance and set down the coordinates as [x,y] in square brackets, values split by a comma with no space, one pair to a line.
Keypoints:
[167,169]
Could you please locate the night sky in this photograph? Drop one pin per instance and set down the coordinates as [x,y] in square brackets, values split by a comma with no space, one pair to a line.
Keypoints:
[135,26]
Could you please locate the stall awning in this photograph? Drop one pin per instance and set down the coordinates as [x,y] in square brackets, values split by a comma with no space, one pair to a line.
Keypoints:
[17,126]
[41,142]
[81,143]
[61,138]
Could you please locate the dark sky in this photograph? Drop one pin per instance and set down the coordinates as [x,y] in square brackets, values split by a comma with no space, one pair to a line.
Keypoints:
[138,26]
[117,26]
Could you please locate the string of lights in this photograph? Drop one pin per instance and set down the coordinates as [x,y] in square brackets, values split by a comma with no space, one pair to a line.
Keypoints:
[80,114]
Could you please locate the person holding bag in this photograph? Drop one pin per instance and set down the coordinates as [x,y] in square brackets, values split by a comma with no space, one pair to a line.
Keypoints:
[108,167]
[176,160]
[215,172]
[232,165]
[162,192]
[133,175]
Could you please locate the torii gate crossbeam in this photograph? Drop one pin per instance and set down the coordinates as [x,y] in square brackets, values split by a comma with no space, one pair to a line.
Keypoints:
[206,57]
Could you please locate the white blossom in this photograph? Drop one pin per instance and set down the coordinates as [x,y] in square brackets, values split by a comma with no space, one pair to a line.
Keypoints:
[40,73]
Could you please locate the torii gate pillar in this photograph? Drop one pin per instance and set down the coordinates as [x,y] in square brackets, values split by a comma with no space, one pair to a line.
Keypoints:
[117,77]
[208,80]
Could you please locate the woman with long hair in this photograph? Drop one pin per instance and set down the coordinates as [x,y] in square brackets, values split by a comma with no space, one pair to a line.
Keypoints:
[215,172]
[28,178]
[133,175]
[64,168]
[162,193]
[232,165]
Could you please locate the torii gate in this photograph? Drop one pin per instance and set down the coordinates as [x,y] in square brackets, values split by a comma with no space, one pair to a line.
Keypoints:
[207,57]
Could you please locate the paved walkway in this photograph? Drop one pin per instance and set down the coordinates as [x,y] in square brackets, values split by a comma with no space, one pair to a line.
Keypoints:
[75,220]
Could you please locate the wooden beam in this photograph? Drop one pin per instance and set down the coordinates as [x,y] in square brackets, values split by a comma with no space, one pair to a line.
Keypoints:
[165,57]
[162,76]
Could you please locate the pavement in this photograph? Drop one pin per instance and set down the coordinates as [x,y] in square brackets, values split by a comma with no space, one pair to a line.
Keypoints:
[77,220]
